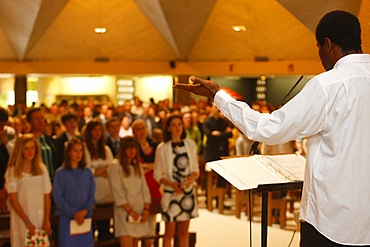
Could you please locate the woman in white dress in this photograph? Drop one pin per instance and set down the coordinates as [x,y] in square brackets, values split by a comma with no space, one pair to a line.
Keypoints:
[28,184]
[99,158]
[131,194]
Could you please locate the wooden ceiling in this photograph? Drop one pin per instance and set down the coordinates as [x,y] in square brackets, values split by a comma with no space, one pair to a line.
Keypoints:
[143,36]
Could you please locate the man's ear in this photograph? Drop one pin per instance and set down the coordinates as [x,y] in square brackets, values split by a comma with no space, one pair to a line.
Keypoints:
[328,45]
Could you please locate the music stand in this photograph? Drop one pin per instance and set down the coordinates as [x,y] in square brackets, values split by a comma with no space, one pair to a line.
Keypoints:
[266,173]
[265,189]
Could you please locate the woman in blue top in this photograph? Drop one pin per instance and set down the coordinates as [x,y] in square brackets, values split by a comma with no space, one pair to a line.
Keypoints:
[73,193]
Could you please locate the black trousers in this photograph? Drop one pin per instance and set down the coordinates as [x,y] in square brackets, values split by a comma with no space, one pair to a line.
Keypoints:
[310,237]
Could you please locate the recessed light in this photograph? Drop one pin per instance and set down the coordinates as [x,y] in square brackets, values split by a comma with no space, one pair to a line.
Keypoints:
[100,30]
[239,28]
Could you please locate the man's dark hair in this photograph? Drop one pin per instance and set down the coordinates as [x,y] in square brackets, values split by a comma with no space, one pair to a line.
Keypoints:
[4,115]
[342,28]
[30,112]
[111,120]
[69,115]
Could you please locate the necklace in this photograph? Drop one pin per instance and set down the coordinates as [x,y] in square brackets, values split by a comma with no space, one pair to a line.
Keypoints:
[177,144]
[27,169]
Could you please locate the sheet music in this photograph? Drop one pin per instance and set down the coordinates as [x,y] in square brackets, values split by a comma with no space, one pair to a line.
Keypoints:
[290,165]
[249,172]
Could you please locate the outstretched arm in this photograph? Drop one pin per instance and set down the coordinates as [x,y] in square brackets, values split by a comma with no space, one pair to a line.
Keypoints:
[200,87]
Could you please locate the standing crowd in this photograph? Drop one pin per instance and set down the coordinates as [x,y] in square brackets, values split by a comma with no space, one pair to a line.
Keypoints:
[133,156]
[68,160]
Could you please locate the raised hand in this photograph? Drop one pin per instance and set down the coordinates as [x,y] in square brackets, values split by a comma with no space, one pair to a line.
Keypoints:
[200,87]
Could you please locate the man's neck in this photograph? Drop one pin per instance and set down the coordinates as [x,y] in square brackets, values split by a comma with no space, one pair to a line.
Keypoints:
[38,133]
[71,132]
[115,137]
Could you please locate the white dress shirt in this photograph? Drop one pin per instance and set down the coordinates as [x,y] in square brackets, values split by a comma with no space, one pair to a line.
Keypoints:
[333,110]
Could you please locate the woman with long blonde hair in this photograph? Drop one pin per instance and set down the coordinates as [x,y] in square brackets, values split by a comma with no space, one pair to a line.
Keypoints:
[28,184]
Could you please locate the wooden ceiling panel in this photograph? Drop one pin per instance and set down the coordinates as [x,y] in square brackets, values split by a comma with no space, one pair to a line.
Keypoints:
[186,19]
[158,31]
[309,12]
[272,32]
[6,52]
[129,36]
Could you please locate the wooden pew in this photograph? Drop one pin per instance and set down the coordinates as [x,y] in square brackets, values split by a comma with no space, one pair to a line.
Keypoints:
[4,225]
[106,211]
[214,191]
[100,212]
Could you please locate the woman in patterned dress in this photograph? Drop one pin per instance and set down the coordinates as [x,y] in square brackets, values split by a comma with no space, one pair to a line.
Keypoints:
[176,169]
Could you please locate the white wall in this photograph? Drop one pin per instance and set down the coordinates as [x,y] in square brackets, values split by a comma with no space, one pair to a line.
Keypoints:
[156,87]
[6,91]
[101,85]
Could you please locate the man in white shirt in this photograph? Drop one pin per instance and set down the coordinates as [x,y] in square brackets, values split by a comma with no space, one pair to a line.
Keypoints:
[333,111]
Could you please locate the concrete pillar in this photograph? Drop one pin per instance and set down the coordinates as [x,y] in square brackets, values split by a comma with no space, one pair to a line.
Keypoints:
[181,96]
[20,89]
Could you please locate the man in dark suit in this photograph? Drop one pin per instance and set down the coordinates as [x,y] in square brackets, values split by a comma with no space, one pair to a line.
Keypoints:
[70,122]
[87,117]
[217,131]
[113,140]
[7,135]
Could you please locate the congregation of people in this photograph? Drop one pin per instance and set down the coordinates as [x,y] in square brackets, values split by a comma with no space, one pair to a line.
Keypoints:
[71,157]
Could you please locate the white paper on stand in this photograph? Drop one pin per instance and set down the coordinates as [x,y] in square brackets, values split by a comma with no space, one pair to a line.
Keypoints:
[248,172]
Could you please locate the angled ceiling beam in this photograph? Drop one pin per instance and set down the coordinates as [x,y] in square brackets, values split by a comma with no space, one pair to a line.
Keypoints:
[48,11]
[309,12]
[17,18]
[24,21]
[186,19]
[179,22]
[154,12]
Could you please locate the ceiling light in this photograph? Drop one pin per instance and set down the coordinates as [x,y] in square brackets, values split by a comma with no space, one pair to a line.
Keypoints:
[239,28]
[100,30]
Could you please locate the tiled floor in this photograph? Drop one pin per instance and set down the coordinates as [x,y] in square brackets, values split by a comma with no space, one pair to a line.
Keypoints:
[225,230]
[216,230]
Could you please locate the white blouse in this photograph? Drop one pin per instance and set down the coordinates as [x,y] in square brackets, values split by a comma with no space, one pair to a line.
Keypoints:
[103,193]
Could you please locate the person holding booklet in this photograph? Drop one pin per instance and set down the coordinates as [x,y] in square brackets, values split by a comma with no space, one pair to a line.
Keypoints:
[147,148]
[332,111]
[73,194]
[99,158]
[131,194]
[176,169]
[27,183]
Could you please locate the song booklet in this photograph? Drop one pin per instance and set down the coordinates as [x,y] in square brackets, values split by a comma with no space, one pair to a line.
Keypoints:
[249,172]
